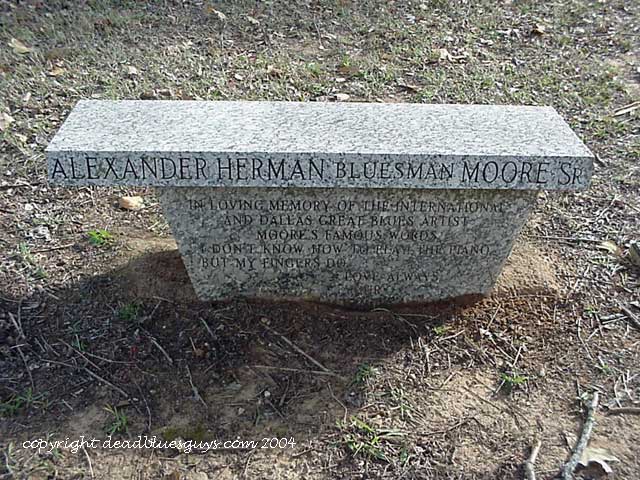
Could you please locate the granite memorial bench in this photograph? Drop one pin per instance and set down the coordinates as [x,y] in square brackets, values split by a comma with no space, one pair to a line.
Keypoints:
[352,203]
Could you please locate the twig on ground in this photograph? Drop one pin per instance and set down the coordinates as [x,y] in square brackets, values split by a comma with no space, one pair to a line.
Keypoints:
[481,398]
[206,325]
[106,382]
[587,429]
[89,462]
[346,411]
[17,325]
[26,366]
[50,249]
[194,389]
[566,239]
[529,470]
[246,464]
[624,411]
[298,370]
[146,404]
[299,350]
[631,316]
[159,347]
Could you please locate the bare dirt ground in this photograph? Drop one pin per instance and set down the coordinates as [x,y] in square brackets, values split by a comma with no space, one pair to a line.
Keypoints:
[106,336]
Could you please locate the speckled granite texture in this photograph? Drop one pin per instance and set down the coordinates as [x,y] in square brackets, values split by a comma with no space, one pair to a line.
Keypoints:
[289,144]
[352,203]
[347,246]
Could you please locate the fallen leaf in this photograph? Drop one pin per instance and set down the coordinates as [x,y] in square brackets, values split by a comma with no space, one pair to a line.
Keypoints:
[539,29]
[598,456]
[273,71]
[342,97]
[444,55]
[237,76]
[175,475]
[209,10]
[634,253]
[165,93]
[131,70]
[56,72]
[627,109]
[348,70]
[131,203]
[611,247]
[148,96]
[5,121]
[408,87]
[19,47]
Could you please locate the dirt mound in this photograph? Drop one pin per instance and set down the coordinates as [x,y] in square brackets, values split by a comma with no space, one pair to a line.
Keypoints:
[528,271]
[156,270]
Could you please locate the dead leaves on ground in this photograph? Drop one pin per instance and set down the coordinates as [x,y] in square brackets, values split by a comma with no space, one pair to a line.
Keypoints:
[19,47]
[5,121]
[611,247]
[131,71]
[634,253]
[131,203]
[56,72]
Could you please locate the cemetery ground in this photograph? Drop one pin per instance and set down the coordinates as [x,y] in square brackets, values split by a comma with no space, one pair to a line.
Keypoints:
[100,333]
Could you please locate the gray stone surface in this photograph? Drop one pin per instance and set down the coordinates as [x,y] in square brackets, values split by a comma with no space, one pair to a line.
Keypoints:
[288,144]
[349,246]
[359,204]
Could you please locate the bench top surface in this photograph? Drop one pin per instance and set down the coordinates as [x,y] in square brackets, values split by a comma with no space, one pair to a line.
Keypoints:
[519,132]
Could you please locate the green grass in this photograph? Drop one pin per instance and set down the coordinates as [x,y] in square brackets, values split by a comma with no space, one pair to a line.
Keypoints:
[25,254]
[117,421]
[511,381]
[21,402]
[364,372]
[100,238]
[401,402]
[129,312]
[440,329]
[363,439]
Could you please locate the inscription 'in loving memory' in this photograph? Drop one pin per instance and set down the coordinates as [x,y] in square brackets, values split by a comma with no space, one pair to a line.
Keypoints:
[241,169]
[304,233]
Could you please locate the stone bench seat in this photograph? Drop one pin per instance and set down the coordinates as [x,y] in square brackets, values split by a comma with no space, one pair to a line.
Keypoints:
[353,203]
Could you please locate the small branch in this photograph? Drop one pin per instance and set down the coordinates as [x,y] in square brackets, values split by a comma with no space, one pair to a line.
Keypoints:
[89,462]
[159,347]
[17,324]
[631,316]
[194,389]
[206,325]
[26,367]
[346,411]
[624,410]
[529,471]
[297,370]
[106,382]
[50,249]
[299,350]
[589,423]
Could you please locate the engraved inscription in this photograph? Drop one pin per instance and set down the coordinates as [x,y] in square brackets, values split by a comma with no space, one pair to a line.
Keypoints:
[309,171]
[347,243]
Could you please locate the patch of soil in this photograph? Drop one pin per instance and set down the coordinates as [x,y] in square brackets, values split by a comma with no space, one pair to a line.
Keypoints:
[529,271]
[156,270]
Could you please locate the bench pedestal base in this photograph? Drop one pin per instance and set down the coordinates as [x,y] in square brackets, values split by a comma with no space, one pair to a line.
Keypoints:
[350,246]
